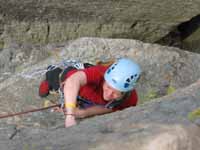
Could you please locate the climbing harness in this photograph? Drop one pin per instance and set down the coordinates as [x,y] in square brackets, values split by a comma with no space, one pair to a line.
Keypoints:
[56,74]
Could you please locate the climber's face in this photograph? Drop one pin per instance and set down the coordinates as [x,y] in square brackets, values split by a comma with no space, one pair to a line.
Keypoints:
[109,93]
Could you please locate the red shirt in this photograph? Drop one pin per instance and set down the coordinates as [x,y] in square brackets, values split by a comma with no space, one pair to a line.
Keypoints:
[93,90]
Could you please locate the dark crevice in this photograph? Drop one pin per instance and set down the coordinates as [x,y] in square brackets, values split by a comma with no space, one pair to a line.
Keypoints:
[48,31]
[175,38]
[171,39]
[14,133]
[133,25]
[11,56]
[28,28]
[189,27]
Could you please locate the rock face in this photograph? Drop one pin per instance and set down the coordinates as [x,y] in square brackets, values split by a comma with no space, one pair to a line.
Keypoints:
[36,21]
[164,68]
[162,124]
[192,40]
[13,57]
[185,36]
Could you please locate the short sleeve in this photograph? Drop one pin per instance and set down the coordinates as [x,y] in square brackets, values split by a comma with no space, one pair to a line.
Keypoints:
[94,74]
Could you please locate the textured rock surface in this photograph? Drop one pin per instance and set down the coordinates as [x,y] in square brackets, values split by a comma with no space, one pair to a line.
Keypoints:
[192,41]
[185,36]
[162,123]
[35,21]
[165,69]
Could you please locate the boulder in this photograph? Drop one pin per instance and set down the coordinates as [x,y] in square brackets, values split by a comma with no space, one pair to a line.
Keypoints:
[168,122]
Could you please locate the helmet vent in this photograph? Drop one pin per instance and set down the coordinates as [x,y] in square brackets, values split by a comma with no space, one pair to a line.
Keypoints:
[114,80]
[126,85]
[123,75]
[109,70]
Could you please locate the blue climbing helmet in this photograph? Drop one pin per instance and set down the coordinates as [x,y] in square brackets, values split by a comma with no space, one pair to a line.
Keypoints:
[123,74]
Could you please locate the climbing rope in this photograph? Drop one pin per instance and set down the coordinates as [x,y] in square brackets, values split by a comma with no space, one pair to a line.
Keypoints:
[28,111]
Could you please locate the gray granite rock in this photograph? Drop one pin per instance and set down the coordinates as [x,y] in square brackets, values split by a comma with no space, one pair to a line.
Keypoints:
[162,123]
[35,21]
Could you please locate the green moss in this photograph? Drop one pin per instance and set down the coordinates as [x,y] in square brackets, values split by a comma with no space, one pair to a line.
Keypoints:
[29,147]
[170,90]
[2,44]
[151,94]
[33,147]
[194,114]
[48,148]
[19,68]
[26,147]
